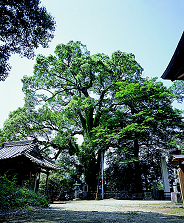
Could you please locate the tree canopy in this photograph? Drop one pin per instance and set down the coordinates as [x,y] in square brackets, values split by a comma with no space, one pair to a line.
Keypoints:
[24,26]
[75,87]
[145,128]
[147,114]
[102,98]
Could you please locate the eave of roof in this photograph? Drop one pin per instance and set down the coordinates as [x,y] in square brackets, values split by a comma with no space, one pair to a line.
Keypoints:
[175,68]
[43,162]
[178,158]
[26,148]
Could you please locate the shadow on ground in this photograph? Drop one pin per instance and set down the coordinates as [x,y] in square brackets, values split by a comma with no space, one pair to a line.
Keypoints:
[65,216]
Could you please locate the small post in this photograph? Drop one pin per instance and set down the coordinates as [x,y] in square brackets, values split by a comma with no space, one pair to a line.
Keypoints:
[76,188]
[155,190]
[85,191]
[97,192]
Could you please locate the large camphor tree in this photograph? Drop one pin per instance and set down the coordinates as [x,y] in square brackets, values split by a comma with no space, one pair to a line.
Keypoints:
[24,25]
[102,98]
[67,96]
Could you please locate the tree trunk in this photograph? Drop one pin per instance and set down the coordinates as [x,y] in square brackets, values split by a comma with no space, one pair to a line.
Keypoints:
[91,172]
[137,178]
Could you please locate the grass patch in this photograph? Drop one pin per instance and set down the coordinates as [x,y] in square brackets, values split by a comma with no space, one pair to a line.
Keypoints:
[166,209]
[132,213]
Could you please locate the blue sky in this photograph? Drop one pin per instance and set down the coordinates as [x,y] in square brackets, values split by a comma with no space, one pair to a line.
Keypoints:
[150,29]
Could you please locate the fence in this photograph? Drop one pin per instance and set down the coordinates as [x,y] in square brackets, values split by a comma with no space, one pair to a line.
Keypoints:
[120,195]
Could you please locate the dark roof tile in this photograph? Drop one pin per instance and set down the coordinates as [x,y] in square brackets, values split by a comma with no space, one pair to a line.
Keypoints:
[28,149]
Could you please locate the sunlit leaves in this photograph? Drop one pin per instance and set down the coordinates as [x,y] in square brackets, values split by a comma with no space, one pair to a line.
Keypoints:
[73,92]
[146,113]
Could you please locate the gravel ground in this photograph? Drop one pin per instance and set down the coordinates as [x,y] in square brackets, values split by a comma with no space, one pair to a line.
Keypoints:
[111,211]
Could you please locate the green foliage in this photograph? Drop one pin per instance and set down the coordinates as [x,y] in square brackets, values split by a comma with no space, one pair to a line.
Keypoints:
[25,25]
[104,99]
[160,186]
[67,96]
[12,196]
[142,128]
[64,179]
[144,112]
[43,124]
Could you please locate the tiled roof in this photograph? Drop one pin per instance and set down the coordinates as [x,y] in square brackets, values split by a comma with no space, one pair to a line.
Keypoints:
[28,149]
[13,149]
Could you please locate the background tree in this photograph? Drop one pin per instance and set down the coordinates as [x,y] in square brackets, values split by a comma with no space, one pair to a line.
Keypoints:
[178,89]
[24,25]
[141,128]
[44,125]
[61,183]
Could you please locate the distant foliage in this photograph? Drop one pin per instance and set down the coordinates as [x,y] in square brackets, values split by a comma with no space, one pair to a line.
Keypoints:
[178,89]
[62,182]
[12,196]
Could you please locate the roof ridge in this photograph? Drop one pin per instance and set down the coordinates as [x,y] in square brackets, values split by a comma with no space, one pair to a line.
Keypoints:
[17,143]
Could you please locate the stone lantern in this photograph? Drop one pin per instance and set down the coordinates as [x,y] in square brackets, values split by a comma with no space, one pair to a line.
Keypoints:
[77,189]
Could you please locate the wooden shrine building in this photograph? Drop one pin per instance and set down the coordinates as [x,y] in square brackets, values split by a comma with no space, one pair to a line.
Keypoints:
[24,160]
[175,68]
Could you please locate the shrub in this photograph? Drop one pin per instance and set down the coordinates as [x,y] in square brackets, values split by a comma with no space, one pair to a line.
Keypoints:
[12,196]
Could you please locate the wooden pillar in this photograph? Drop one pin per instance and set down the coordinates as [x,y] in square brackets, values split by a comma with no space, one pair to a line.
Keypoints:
[181,179]
[36,182]
[46,188]
[30,180]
